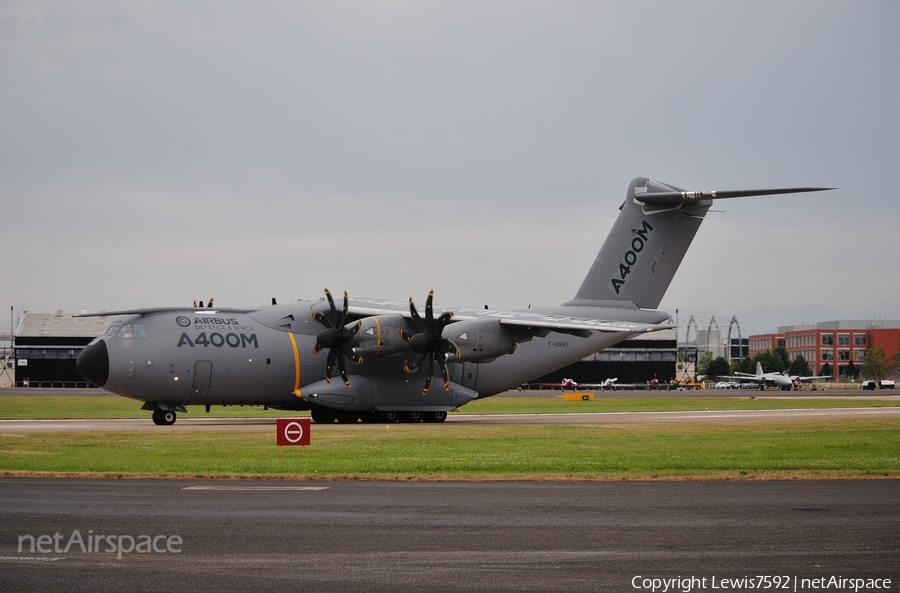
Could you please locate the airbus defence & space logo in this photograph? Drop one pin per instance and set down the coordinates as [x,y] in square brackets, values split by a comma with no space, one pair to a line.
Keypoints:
[641,237]
[183,321]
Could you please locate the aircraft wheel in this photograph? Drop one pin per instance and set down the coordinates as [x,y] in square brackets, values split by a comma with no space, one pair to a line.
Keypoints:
[389,417]
[347,417]
[167,418]
[323,415]
[435,416]
[156,419]
[411,417]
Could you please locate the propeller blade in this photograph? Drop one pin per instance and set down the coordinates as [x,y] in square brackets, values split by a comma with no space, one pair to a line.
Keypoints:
[429,313]
[332,356]
[446,347]
[349,353]
[342,367]
[415,366]
[446,374]
[344,311]
[322,319]
[417,321]
[441,323]
[428,377]
[331,304]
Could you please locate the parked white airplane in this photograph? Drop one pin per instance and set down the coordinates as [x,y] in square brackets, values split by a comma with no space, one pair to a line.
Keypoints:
[574,384]
[783,380]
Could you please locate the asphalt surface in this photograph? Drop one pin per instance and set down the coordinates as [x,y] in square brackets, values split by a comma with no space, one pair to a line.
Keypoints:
[398,537]
[187,423]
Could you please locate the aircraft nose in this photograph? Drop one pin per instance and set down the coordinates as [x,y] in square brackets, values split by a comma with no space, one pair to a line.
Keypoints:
[93,363]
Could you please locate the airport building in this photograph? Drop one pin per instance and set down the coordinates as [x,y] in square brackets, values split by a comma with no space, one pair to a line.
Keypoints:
[835,343]
[638,360]
[46,346]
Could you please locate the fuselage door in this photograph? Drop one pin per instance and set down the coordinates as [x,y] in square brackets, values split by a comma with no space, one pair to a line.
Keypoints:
[470,375]
[465,374]
[202,378]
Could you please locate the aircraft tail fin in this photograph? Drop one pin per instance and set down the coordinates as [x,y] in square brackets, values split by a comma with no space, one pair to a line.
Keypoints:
[648,241]
[759,371]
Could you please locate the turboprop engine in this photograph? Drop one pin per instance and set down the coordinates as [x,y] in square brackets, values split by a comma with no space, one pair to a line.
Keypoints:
[380,336]
[483,340]
[476,340]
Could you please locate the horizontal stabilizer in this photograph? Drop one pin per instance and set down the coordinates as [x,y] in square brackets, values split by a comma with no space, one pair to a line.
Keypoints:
[676,197]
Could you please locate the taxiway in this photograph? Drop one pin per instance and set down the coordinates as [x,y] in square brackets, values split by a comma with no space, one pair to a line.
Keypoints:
[397,537]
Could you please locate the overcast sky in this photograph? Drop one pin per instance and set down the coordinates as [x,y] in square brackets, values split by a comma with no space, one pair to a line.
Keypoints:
[154,153]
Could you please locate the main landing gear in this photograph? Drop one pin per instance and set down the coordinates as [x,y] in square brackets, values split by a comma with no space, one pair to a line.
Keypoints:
[164,417]
[323,415]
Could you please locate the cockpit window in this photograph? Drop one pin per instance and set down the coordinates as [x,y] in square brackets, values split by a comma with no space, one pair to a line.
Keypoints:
[140,331]
[125,332]
[111,330]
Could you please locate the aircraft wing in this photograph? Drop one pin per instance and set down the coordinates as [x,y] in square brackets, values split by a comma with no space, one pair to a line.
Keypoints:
[151,310]
[558,323]
[525,319]
[750,378]
[812,378]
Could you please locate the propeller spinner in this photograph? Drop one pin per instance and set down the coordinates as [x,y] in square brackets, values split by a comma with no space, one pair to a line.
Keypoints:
[428,342]
[336,338]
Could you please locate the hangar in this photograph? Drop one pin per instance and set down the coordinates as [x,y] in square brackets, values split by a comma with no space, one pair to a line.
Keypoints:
[639,360]
[46,346]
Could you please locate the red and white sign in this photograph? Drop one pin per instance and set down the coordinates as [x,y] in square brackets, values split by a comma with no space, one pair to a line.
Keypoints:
[293,431]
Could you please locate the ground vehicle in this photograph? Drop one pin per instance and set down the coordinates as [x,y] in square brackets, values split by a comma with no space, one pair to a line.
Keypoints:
[882,384]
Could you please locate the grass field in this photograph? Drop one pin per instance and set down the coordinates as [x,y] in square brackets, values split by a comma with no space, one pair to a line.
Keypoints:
[821,449]
[25,407]
[840,448]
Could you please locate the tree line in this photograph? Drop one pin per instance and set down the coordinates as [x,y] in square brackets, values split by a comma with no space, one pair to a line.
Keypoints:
[876,365]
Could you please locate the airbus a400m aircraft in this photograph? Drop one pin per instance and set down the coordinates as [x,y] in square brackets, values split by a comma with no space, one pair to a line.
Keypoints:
[284,356]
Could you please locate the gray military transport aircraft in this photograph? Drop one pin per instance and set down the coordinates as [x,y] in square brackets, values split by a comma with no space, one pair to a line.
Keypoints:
[284,356]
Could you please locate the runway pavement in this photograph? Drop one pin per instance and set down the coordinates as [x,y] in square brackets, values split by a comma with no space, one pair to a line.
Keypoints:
[186,422]
[398,537]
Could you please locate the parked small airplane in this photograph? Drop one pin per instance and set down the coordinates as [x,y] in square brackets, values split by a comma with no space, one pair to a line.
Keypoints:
[783,380]
[284,356]
[573,384]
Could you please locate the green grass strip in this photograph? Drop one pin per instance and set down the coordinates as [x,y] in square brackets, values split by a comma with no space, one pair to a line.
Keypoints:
[838,448]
